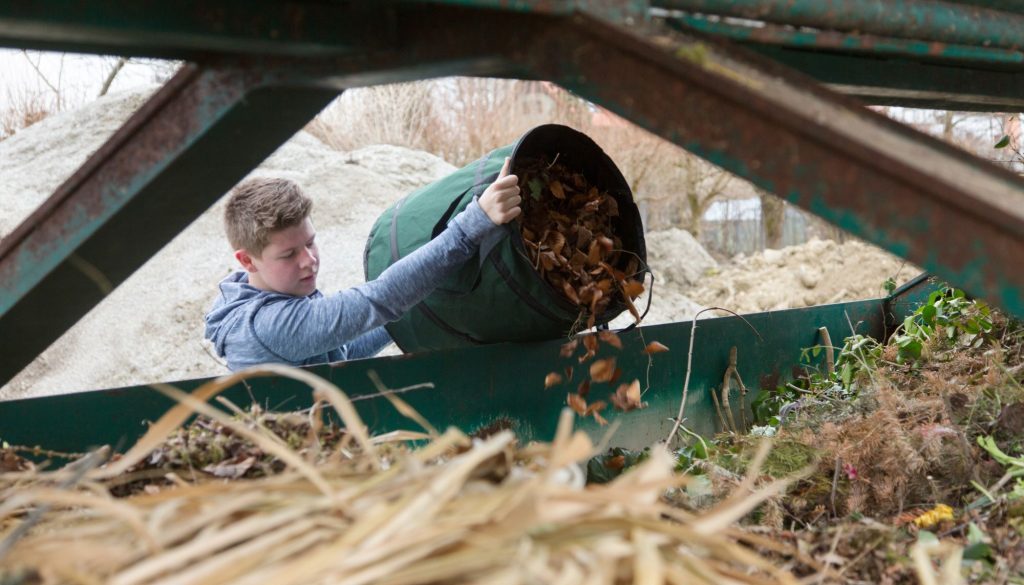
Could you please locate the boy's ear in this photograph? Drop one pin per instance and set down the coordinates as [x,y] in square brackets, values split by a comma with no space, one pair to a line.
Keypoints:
[245,259]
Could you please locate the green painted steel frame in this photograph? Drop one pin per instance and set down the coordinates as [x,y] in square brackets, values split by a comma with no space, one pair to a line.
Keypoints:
[945,22]
[914,195]
[477,386]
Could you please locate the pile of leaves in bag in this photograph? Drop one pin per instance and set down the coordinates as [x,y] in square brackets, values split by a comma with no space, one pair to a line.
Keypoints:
[568,228]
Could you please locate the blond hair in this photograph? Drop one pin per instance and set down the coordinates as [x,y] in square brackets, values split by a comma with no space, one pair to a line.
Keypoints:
[258,207]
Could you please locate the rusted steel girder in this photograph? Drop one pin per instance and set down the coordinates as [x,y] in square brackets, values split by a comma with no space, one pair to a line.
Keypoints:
[186,146]
[196,137]
[931,203]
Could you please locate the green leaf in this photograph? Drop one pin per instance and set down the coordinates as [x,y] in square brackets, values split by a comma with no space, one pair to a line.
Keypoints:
[929,312]
[927,537]
[1003,142]
[846,374]
[978,551]
[536,188]
[975,534]
[816,351]
[889,285]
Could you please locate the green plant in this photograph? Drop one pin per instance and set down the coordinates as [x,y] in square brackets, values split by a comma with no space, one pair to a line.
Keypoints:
[948,314]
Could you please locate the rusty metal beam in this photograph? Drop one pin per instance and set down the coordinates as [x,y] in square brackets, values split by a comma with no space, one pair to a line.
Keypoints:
[189,144]
[185,147]
[952,213]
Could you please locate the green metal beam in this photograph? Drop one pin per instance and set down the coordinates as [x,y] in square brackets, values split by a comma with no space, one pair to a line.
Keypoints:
[898,82]
[929,20]
[476,386]
[922,199]
[195,29]
[856,44]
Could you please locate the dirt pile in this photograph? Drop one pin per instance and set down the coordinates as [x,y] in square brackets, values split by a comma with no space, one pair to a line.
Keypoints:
[815,273]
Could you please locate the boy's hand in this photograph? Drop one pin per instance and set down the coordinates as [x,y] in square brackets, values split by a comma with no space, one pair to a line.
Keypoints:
[501,200]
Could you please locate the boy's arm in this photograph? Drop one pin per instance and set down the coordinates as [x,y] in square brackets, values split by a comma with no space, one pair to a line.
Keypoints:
[299,328]
[368,344]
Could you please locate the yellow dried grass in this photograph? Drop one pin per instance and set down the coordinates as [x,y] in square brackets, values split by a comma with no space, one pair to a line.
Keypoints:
[453,510]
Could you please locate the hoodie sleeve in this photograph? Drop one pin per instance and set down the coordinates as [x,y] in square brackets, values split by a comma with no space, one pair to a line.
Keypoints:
[297,328]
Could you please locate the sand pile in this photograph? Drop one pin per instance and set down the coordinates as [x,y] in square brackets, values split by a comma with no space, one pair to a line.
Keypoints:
[815,273]
[151,327]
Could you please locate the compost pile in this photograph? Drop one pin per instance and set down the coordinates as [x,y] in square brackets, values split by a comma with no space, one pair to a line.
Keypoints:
[360,509]
[568,228]
[907,450]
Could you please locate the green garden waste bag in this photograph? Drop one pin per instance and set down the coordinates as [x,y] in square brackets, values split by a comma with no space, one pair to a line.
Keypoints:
[498,295]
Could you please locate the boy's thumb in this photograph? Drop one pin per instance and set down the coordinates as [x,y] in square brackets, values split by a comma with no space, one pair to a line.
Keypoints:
[504,168]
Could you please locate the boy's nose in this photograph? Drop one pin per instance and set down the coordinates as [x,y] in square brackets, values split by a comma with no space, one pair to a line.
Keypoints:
[309,258]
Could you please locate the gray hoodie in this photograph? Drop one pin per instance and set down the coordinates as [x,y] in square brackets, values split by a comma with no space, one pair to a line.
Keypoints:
[250,326]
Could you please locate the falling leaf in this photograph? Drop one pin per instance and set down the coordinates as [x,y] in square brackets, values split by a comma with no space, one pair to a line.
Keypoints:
[552,379]
[596,406]
[568,372]
[602,370]
[616,376]
[576,403]
[600,419]
[610,338]
[569,347]
[556,190]
[590,342]
[606,243]
[584,388]
[655,347]
[627,397]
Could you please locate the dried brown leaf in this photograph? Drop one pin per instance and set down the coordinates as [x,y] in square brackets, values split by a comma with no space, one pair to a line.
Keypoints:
[627,397]
[610,338]
[552,379]
[655,347]
[556,189]
[633,288]
[584,388]
[576,403]
[569,347]
[602,370]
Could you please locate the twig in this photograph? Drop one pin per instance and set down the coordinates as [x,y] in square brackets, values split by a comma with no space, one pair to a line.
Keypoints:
[689,364]
[830,356]
[557,154]
[121,62]
[835,482]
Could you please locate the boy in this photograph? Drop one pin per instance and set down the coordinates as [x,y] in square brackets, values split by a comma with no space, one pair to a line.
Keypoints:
[273,312]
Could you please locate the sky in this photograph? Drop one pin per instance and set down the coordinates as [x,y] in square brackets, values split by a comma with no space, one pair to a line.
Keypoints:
[78,77]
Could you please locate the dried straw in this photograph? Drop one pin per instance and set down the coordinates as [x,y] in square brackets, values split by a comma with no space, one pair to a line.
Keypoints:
[453,510]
